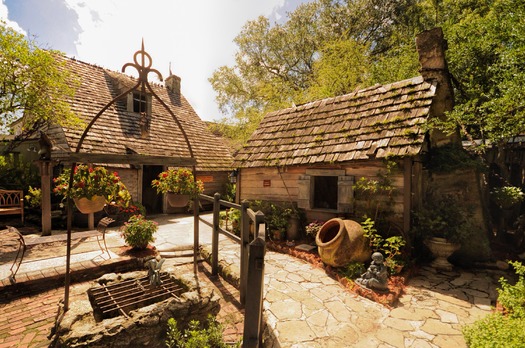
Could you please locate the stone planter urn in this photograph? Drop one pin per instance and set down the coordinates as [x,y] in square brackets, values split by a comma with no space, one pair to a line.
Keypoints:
[441,249]
[342,241]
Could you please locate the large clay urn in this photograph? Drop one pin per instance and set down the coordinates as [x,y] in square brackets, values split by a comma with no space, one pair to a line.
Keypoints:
[342,241]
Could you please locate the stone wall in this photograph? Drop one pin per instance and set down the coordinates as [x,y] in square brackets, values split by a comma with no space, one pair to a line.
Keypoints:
[467,185]
[146,326]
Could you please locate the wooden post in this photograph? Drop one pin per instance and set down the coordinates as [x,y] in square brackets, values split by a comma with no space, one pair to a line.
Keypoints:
[195,233]
[253,306]
[245,240]
[215,235]
[45,205]
[260,226]
[407,197]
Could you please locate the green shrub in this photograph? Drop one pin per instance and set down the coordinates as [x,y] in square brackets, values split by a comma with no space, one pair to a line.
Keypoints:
[512,297]
[34,197]
[138,231]
[496,330]
[196,336]
[502,329]
[353,270]
[391,247]
[17,174]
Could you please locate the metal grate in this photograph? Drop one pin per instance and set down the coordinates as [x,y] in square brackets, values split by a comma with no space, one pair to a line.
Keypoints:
[109,301]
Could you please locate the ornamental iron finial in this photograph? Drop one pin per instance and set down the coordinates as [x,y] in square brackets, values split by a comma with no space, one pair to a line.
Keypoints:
[143,66]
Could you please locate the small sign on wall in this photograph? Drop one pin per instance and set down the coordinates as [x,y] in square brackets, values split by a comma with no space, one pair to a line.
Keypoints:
[205,178]
[267,183]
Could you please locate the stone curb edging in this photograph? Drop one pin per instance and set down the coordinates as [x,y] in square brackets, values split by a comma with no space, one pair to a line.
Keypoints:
[49,278]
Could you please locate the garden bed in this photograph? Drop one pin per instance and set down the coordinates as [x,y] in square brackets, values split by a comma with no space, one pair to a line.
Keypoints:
[396,284]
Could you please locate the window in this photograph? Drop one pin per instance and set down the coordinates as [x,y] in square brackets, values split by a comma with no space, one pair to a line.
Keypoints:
[325,192]
[326,189]
[139,102]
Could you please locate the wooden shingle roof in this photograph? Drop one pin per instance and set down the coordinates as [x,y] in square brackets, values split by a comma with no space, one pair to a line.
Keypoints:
[371,123]
[117,131]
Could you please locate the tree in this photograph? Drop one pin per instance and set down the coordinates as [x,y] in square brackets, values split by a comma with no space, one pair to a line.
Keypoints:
[342,67]
[332,47]
[486,52]
[33,84]
[325,48]
[486,55]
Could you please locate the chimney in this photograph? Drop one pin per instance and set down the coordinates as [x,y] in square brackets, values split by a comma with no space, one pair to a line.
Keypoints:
[172,83]
[431,47]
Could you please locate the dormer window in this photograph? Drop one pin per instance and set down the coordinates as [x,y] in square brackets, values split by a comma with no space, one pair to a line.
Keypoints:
[139,103]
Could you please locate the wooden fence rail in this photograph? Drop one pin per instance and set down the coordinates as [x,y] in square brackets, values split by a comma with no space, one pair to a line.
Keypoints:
[252,251]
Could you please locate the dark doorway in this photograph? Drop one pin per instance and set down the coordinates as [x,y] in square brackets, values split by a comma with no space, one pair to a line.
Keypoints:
[151,200]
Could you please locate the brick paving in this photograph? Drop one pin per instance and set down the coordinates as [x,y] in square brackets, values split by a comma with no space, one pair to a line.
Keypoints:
[303,307]
[28,313]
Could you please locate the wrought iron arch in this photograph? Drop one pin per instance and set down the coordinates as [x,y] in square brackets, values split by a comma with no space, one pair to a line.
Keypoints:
[143,66]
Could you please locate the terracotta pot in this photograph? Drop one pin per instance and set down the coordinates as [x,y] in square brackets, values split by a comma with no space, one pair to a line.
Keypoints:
[277,235]
[441,249]
[178,201]
[342,241]
[87,206]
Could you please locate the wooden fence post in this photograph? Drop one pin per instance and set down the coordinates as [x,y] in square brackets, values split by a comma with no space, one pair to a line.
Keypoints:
[253,305]
[196,241]
[215,235]
[245,240]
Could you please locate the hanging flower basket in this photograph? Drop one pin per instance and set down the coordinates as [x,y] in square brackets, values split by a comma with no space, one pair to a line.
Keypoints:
[181,182]
[177,200]
[90,205]
[92,187]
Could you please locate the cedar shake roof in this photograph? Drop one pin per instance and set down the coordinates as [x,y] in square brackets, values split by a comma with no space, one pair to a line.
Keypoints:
[117,131]
[371,123]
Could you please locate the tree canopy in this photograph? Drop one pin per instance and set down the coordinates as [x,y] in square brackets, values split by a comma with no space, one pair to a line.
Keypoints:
[486,56]
[331,47]
[33,84]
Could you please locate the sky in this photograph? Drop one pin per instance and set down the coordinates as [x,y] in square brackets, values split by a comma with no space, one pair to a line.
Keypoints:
[195,37]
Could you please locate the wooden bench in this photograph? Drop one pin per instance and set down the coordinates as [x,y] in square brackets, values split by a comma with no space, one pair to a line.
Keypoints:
[12,202]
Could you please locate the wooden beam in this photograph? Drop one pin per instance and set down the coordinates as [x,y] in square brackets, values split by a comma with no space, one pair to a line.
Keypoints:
[135,159]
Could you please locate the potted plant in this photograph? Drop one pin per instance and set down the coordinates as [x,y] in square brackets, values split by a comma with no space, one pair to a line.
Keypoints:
[138,231]
[179,185]
[278,221]
[230,219]
[443,224]
[507,197]
[313,228]
[92,187]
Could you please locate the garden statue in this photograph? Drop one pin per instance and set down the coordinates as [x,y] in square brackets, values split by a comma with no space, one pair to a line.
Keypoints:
[154,266]
[376,276]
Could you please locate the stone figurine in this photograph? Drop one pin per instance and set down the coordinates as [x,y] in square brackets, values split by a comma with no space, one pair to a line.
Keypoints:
[376,276]
[154,266]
